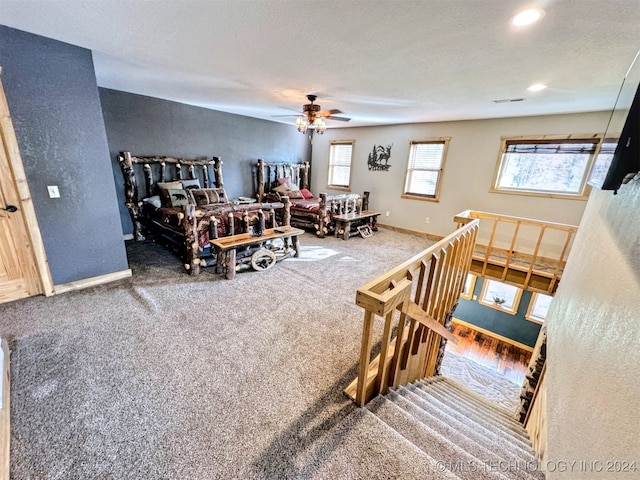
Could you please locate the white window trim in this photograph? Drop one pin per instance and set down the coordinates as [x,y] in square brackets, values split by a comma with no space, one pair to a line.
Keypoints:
[346,188]
[513,310]
[586,188]
[529,315]
[436,196]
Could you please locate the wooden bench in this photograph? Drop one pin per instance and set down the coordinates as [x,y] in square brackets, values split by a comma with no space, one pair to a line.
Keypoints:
[346,221]
[261,258]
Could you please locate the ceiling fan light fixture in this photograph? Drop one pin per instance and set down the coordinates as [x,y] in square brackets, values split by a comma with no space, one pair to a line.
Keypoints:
[301,123]
[319,125]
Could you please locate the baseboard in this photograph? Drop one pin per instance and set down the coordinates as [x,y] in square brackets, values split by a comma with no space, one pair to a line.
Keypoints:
[128,236]
[430,236]
[493,334]
[5,428]
[91,282]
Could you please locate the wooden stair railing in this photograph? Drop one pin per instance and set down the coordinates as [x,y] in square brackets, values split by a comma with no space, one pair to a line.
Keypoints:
[527,253]
[416,300]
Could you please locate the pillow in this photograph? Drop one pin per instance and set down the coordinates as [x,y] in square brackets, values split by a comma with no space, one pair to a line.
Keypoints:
[192,183]
[155,201]
[164,191]
[175,185]
[295,194]
[306,194]
[177,197]
[208,196]
[282,188]
[293,186]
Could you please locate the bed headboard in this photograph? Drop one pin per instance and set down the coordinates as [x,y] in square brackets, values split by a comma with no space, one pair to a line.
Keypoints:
[165,169]
[268,174]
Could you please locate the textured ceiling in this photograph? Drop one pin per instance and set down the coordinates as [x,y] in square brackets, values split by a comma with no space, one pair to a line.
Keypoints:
[380,62]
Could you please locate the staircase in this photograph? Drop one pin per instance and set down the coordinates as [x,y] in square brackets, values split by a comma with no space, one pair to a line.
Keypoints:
[460,434]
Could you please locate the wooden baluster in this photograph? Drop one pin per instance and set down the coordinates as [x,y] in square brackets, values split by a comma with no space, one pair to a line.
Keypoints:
[232,227]
[287,211]
[163,172]
[148,179]
[365,358]
[205,176]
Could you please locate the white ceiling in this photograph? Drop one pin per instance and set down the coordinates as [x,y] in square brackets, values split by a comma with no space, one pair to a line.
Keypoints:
[380,62]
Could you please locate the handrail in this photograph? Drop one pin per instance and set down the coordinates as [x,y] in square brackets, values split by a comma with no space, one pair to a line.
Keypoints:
[524,252]
[412,298]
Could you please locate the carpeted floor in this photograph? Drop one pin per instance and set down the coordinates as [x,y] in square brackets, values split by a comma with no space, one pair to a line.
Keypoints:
[169,376]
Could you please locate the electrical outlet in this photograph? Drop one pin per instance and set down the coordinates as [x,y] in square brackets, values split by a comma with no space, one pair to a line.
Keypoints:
[427,220]
[387,214]
[53,191]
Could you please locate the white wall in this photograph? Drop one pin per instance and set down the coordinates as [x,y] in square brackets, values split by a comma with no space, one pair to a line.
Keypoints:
[470,163]
[594,343]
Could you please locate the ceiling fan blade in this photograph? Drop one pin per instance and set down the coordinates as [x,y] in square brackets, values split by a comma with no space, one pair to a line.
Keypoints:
[339,119]
[290,115]
[326,113]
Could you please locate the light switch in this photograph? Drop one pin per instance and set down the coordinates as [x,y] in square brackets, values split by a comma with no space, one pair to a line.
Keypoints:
[53,191]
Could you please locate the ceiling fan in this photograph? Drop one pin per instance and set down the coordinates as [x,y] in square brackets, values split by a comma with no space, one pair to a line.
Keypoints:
[313,117]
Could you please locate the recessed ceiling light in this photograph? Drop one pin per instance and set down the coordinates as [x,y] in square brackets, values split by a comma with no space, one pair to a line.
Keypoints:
[536,87]
[527,17]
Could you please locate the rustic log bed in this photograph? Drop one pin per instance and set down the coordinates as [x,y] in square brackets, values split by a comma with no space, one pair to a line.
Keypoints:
[183,205]
[276,181]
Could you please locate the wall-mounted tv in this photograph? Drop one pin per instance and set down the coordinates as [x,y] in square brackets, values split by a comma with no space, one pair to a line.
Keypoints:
[619,158]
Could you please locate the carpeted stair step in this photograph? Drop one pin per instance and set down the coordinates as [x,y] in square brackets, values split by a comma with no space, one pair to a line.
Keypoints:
[449,455]
[500,445]
[478,402]
[472,410]
[485,428]
[484,446]
[478,408]
[363,446]
[465,391]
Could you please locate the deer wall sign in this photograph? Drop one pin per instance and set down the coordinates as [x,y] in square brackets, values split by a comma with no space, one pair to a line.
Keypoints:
[379,158]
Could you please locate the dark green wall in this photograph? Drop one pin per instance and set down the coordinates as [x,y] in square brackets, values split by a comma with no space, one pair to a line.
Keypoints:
[151,126]
[516,327]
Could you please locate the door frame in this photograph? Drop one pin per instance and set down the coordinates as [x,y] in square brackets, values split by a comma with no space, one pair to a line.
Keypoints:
[19,180]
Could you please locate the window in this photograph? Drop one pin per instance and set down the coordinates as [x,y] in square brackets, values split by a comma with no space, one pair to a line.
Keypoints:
[538,307]
[602,163]
[467,289]
[500,296]
[548,167]
[424,171]
[340,154]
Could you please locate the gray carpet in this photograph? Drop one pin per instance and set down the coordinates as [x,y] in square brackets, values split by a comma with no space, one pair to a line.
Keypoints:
[167,376]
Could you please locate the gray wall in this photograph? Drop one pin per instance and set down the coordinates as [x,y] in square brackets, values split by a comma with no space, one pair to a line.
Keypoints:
[516,327]
[150,126]
[53,98]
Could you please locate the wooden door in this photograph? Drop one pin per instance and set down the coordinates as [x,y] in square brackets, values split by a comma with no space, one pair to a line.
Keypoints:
[23,268]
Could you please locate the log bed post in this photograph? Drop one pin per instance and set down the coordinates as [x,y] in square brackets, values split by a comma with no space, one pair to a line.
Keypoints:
[178,171]
[286,218]
[131,193]
[192,254]
[205,176]
[217,170]
[260,179]
[305,176]
[322,213]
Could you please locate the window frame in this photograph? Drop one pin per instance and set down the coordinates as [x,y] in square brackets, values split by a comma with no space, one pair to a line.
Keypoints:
[585,188]
[332,143]
[513,310]
[424,197]
[470,282]
[529,315]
